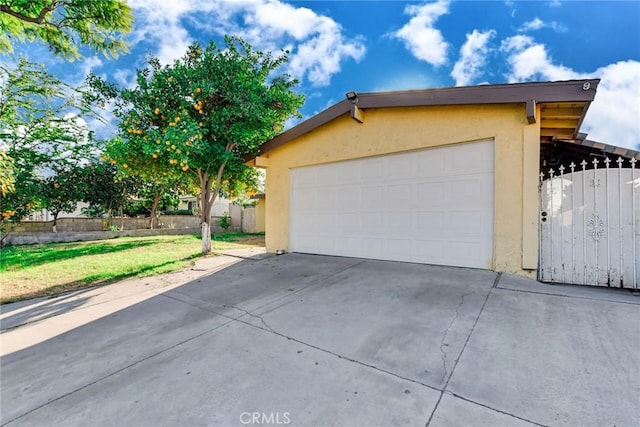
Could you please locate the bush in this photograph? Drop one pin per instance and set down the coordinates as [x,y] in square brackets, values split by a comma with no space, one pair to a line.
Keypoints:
[133,209]
[225,221]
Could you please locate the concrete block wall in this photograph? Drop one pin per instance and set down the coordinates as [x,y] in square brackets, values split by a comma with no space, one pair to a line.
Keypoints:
[81,225]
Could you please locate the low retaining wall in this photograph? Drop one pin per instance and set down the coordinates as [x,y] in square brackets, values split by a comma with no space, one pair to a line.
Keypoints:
[102,224]
[33,238]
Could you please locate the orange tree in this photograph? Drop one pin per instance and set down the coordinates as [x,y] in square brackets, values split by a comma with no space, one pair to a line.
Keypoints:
[157,180]
[200,117]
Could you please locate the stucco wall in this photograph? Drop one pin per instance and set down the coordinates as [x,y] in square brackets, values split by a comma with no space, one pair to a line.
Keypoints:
[391,130]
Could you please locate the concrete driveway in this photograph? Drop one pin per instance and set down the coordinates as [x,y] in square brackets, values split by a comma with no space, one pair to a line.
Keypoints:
[307,340]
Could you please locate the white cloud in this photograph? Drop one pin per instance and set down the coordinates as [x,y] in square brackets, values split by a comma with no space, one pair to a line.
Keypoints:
[159,21]
[538,24]
[613,117]
[317,43]
[419,35]
[473,57]
[529,60]
[406,81]
[125,77]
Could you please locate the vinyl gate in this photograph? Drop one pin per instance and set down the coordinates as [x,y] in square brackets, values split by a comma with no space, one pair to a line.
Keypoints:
[590,224]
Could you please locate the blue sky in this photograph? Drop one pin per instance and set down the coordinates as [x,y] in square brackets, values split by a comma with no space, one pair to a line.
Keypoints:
[337,46]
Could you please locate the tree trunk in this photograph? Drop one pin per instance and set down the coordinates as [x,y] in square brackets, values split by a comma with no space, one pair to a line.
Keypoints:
[121,218]
[207,197]
[154,207]
[55,222]
[206,238]
[205,218]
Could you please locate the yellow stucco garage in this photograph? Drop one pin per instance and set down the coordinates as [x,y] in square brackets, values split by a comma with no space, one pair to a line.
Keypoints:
[453,129]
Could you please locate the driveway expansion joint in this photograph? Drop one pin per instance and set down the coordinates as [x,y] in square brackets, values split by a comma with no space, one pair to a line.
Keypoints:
[524,291]
[456,395]
[117,371]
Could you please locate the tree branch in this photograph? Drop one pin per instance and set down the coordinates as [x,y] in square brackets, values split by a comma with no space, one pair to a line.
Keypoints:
[37,20]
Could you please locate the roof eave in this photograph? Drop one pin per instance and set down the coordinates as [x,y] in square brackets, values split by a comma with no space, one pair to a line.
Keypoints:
[541,92]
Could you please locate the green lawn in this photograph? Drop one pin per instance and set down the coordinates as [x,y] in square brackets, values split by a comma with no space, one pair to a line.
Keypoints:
[51,269]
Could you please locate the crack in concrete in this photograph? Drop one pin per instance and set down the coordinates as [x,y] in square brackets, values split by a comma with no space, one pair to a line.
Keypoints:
[338,355]
[269,329]
[266,325]
[446,331]
[484,303]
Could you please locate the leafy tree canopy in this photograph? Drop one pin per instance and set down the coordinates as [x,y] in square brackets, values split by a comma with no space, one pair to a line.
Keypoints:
[7,175]
[200,117]
[106,190]
[62,191]
[41,131]
[64,25]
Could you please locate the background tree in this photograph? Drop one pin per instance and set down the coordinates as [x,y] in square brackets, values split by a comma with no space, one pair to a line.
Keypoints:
[64,25]
[7,175]
[202,115]
[107,190]
[156,194]
[158,180]
[62,192]
[40,131]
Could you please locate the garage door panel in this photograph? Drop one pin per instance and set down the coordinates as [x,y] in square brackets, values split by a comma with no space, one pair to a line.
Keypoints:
[430,221]
[467,222]
[399,194]
[347,246]
[324,199]
[463,253]
[429,164]
[371,198]
[325,176]
[307,178]
[304,200]
[346,196]
[371,223]
[428,206]
[399,225]
[428,251]
[304,224]
[397,249]
[371,248]
[465,189]
[430,191]
[371,170]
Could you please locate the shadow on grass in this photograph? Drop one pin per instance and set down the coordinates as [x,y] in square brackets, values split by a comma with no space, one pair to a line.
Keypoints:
[16,257]
[93,281]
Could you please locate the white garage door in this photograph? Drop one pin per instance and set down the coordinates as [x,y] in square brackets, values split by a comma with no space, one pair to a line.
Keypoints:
[432,206]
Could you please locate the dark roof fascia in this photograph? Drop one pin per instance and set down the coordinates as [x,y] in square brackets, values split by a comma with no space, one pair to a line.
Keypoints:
[541,92]
[565,91]
[613,150]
